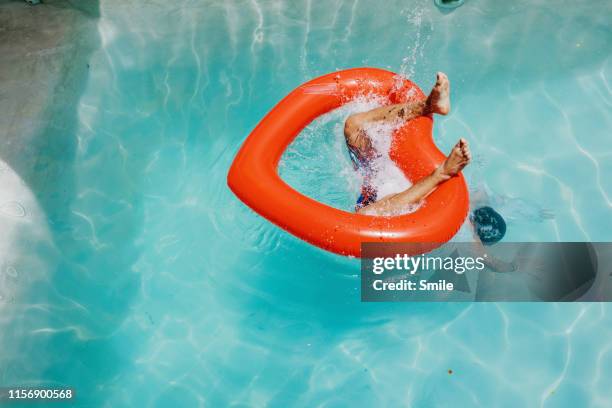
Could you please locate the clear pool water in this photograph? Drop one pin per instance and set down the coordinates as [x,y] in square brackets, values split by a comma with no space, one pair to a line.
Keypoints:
[142,281]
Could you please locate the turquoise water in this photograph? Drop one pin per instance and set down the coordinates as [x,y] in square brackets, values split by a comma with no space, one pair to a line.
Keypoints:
[145,282]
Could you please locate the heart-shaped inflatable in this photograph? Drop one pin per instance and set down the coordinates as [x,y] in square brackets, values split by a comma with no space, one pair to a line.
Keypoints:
[254,178]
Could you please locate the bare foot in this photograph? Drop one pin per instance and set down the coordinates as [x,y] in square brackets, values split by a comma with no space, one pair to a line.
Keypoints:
[438,100]
[458,158]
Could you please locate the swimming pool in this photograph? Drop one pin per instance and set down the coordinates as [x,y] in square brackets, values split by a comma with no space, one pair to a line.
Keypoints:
[141,280]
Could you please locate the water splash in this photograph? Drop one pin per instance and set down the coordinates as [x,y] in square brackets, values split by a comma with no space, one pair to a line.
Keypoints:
[317,162]
[419,27]
[385,176]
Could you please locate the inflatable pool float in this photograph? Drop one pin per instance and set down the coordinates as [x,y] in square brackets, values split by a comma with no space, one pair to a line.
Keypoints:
[254,178]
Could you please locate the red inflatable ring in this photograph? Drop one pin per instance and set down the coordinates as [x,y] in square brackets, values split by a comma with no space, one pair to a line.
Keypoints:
[254,179]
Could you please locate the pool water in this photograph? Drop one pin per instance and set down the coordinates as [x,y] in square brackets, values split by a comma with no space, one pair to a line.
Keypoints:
[140,280]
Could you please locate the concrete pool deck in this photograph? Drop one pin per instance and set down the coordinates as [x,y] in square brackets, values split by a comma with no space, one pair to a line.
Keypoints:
[44,52]
[35,44]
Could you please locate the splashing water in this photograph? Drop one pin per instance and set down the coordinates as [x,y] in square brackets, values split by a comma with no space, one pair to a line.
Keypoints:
[419,27]
[386,177]
[320,150]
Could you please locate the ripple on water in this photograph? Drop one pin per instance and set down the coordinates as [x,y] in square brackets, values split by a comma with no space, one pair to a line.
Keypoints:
[11,271]
[247,230]
[13,209]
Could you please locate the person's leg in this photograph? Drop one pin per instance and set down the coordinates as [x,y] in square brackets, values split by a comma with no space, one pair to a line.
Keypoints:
[438,102]
[459,157]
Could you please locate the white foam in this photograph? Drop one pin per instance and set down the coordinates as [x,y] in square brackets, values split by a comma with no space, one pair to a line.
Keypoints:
[385,176]
[323,142]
